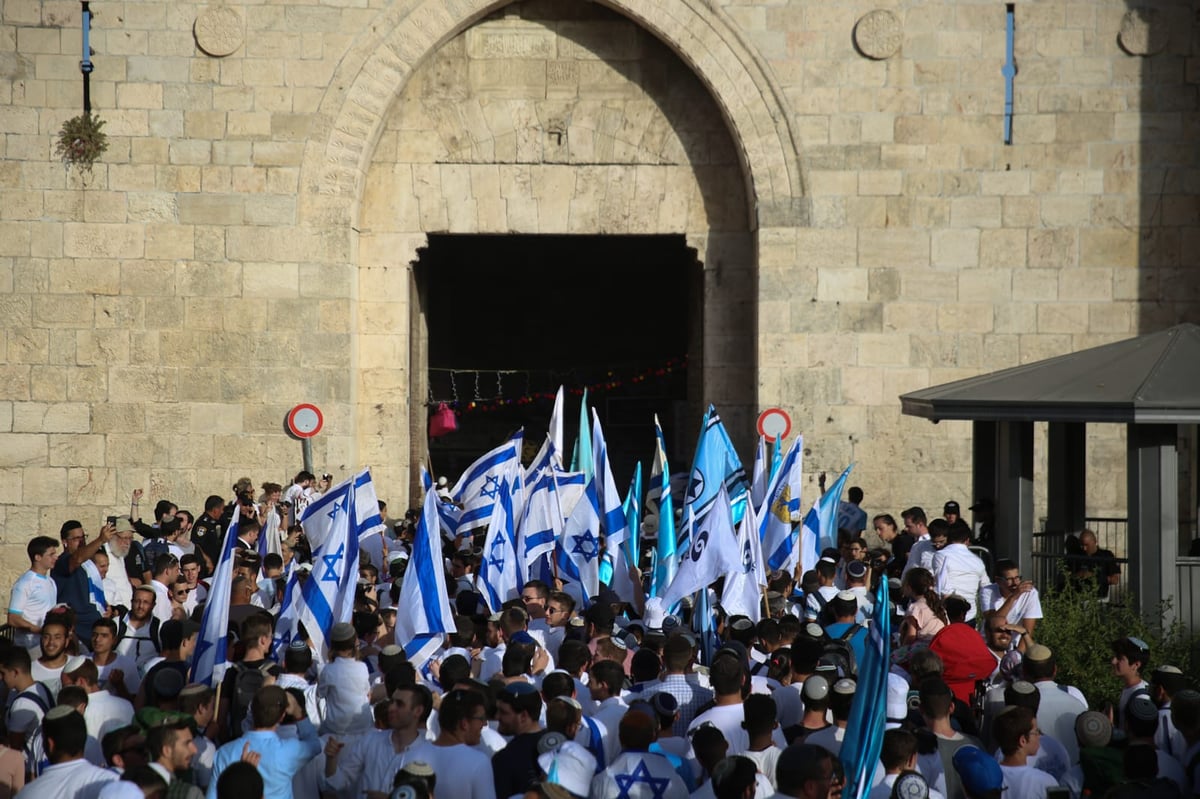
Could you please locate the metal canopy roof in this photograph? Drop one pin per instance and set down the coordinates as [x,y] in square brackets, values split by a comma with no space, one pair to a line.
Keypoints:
[1150,379]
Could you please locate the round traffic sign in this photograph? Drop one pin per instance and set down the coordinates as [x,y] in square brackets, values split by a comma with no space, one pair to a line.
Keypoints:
[774,423]
[305,420]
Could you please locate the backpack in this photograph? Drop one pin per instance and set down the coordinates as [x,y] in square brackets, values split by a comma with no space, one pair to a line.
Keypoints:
[153,548]
[246,682]
[838,652]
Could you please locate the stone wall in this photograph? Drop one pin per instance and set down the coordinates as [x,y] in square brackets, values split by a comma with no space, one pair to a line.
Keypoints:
[243,245]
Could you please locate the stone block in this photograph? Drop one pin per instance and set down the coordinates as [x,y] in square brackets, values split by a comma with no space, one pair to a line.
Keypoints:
[211,209]
[197,279]
[76,450]
[965,317]
[862,385]
[24,450]
[1113,247]
[84,276]
[44,486]
[879,181]
[1002,248]
[102,240]
[1062,317]
[979,212]
[1053,248]
[894,248]
[215,418]
[955,248]
[841,285]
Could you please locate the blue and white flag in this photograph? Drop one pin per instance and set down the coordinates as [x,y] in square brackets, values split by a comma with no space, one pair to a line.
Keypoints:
[819,530]
[761,477]
[781,509]
[209,660]
[327,596]
[270,537]
[776,458]
[713,551]
[614,569]
[581,459]
[555,433]
[743,592]
[578,551]
[570,489]
[478,489]
[498,577]
[422,627]
[661,509]
[448,512]
[716,464]
[368,522]
[285,624]
[95,585]
[542,522]
[632,507]
[868,711]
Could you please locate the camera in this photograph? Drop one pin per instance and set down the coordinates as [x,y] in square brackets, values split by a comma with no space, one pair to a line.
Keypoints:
[326,476]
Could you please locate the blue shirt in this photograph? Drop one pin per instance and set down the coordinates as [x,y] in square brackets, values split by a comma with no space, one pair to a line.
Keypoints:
[73,590]
[858,641]
[281,758]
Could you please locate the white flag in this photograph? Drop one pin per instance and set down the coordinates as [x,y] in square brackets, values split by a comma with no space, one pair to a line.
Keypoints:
[743,588]
[712,552]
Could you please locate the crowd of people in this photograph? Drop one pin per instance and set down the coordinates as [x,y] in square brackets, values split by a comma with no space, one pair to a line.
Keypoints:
[550,696]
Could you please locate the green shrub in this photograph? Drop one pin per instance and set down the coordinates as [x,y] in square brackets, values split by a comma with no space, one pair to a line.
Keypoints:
[1080,630]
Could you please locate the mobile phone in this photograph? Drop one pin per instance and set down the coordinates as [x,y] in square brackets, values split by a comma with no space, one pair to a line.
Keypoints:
[112,520]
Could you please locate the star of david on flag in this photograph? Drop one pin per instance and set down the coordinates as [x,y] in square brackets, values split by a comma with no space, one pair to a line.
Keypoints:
[641,775]
[477,490]
[579,546]
[498,577]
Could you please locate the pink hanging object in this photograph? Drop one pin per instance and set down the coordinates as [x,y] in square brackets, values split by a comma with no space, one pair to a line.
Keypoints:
[442,421]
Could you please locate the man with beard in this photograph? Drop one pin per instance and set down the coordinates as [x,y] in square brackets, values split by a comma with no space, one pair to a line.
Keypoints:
[138,631]
[123,551]
[47,669]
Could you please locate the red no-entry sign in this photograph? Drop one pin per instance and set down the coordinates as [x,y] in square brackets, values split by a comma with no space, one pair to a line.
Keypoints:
[305,420]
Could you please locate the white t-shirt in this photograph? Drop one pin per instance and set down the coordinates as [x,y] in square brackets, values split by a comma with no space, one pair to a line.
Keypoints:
[728,719]
[32,597]
[462,772]
[1026,782]
[1026,606]
[78,779]
[345,686]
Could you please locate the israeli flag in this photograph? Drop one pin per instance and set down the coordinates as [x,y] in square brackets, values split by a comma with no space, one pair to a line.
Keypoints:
[614,569]
[95,585]
[285,624]
[578,551]
[422,628]
[570,489]
[581,459]
[327,596]
[542,523]
[498,575]
[270,538]
[743,592]
[716,464]
[819,530]
[368,523]
[868,711]
[448,512]
[209,660]
[660,515]
[713,551]
[761,475]
[781,509]
[478,489]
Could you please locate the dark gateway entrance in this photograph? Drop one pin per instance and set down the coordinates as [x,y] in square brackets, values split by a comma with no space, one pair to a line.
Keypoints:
[510,318]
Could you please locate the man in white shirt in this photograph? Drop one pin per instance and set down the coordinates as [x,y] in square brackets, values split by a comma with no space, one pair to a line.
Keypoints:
[1017,732]
[606,680]
[959,570]
[916,524]
[47,669]
[138,631]
[372,761]
[105,712]
[165,570]
[463,771]
[34,593]
[1011,597]
[69,774]
[118,590]
[345,686]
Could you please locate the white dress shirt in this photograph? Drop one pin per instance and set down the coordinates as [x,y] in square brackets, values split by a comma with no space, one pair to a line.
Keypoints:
[960,571]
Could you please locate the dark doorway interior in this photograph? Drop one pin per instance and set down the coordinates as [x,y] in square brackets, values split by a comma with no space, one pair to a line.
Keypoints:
[509,318]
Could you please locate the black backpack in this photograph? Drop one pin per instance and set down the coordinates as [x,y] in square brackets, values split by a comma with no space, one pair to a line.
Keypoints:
[246,683]
[838,652]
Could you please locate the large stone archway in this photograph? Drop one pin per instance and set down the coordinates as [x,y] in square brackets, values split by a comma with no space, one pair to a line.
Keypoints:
[647,167]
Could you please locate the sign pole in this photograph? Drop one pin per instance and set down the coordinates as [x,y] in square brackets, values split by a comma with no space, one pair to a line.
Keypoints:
[306,453]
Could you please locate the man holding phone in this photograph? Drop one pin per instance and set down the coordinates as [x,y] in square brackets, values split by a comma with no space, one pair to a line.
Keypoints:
[70,577]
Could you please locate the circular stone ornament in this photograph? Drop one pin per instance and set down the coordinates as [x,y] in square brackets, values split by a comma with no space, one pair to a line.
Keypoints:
[1143,32]
[218,31]
[878,34]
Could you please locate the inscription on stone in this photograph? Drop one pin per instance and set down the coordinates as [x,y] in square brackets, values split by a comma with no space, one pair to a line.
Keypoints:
[523,42]
[218,31]
[878,34]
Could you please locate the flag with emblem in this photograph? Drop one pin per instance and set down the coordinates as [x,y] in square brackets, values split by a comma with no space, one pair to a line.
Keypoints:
[578,551]
[478,489]
[819,530]
[498,574]
[327,596]
[713,551]
[716,464]
[744,588]
[780,508]
[660,516]
[209,659]
[422,627]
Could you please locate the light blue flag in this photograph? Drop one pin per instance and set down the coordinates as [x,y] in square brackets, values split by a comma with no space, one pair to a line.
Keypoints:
[819,530]
[776,458]
[780,509]
[868,711]
[498,576]
[760,475]
[632,507]
[542,522]
[581,459]
[327,596]
[578,550]
[716,464]
[614,568]
[660,508]
[422,627]
[478,489]
[210,660]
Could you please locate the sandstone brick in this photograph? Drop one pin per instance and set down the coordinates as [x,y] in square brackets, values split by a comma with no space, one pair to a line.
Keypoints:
[894,248]
[955,248]
[1108,247]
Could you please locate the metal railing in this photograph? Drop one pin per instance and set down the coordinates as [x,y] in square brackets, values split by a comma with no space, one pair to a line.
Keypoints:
[1049,554]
